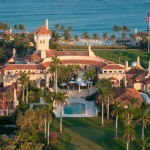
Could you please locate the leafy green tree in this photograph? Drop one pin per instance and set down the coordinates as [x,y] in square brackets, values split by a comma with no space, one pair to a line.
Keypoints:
[6,143]
[61,99]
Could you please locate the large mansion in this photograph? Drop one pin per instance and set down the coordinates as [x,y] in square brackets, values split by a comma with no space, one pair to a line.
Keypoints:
[37,65]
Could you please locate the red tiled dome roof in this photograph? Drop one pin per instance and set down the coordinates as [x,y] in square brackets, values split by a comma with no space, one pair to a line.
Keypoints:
[42,30]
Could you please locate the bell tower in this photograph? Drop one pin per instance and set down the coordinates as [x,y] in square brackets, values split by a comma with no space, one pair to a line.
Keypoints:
[42,36]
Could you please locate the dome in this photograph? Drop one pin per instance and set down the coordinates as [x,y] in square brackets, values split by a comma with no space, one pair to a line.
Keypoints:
[145,97]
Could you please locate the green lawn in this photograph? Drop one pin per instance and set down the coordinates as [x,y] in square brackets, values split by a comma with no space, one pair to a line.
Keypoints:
[130,54]
[87,133]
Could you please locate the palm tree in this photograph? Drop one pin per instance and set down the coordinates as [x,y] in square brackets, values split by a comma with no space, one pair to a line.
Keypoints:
[119,31]
[23,80]
[56,27]
[9,98]
[145,143]
[129,135]
[128,114]
[132,37]
[115,28]
[21,27]
[144,39]
[69,29]
[16,27]
[55,35]
[85,35]
[123,36]
[47,96]
[89,75]
[144,119]
[126,29]
[105,36]
[104,95]
[49,115]
[61,99]
[54,64]
[66,34]
[76,38]
[39,114]
[62,28]
[113,38]
[95,36]
[5,26]
[116,109]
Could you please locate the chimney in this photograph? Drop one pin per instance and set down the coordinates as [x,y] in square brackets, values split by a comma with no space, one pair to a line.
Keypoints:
[46,24]
[10,31]
[126,65]
[89,48]
[14,52]
[138,62]
[149,66]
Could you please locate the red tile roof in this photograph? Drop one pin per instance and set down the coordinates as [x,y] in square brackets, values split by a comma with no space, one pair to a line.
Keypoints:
[51,53]
[93,63]
[136,70]
[24,67]
[42,30]
[146,81]
[124,95]
[113,66]
[33,57]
